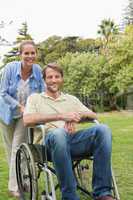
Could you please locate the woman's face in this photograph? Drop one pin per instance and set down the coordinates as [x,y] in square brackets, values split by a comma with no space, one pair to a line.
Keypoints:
[28,55]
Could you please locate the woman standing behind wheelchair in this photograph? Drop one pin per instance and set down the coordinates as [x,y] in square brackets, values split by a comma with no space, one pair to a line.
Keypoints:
[19,80]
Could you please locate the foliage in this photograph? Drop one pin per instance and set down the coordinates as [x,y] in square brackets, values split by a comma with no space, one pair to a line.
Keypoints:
[105,76]
[128,13]
[85,74]
[56,47]
[87,45]
[80,70]
[107,29]
[22,35]
[4,41]
[100,68]
[122,58]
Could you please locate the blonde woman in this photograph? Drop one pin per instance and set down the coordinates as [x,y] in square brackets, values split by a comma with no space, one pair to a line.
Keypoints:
[19,80]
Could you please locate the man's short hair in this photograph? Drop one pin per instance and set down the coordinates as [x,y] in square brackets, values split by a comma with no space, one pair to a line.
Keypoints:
[53,66]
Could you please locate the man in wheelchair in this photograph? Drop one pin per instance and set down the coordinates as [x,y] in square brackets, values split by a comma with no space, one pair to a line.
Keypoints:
[60,113]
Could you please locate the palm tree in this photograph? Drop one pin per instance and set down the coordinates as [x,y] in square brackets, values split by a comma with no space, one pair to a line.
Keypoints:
[107,30]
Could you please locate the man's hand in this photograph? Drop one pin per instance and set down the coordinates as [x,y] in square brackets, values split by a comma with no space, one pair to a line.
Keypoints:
[70,127]
[71,117]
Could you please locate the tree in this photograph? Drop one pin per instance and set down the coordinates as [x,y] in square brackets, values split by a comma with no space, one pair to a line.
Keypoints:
[107,30]
[81,74]
[128,13]
[119,67]
[22,35]
[56,47]
[87,45]
[124,56]
[101,77]
[48,50]
[3,41]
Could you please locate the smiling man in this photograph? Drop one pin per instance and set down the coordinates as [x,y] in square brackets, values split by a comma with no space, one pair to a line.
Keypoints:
[60,113]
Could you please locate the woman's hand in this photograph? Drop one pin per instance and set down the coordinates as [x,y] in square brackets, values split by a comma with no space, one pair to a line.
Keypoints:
[21,108]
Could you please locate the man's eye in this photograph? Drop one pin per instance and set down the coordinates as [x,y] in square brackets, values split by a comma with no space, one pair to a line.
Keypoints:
[32,53]
[26,53]
[57,77]
[49,77]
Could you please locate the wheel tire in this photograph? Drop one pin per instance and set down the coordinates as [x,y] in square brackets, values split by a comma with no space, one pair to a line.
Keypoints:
[26,173]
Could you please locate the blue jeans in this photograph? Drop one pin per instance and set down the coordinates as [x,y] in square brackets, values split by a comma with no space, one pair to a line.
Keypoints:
[63,147]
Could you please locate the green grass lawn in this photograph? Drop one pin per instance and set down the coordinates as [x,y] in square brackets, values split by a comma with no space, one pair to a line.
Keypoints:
[121,124]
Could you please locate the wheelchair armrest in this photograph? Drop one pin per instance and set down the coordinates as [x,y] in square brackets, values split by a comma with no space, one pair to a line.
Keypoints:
[96,121]
[86,119]
[30,132]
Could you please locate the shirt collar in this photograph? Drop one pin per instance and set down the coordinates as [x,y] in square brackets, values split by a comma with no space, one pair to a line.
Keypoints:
[62,96]
[18,70]
[18,74]
[34,74]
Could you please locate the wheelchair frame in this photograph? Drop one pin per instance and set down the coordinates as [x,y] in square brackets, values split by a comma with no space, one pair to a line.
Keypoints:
[30,163]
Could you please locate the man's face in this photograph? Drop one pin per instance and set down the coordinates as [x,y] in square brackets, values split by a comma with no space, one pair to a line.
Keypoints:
[53,80]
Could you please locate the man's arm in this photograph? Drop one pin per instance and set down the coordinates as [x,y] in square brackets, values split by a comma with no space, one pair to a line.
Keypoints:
[39,118]
[32,116]
[85,113]
[88,115]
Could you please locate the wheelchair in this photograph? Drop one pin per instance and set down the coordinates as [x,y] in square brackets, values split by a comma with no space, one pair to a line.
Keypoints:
[36,176]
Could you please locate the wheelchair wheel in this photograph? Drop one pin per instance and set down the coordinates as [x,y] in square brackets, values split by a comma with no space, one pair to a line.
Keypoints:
[83,174]
[115,191]
[26,173]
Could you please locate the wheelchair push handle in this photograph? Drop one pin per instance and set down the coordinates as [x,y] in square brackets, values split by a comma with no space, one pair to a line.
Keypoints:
[30,135]
[30,132]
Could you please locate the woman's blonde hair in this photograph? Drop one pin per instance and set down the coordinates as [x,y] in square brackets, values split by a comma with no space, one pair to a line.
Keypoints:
[25,42]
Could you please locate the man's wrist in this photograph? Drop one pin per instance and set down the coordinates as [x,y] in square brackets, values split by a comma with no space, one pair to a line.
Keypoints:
[59,117]
[80,114]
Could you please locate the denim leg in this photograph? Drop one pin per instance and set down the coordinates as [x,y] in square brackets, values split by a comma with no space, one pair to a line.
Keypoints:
[96,141]
[102,161]
[57,142]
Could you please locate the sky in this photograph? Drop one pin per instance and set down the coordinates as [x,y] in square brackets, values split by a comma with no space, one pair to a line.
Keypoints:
[57,17]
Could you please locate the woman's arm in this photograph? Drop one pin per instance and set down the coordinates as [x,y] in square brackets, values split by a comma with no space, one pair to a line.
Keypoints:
[4,87]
